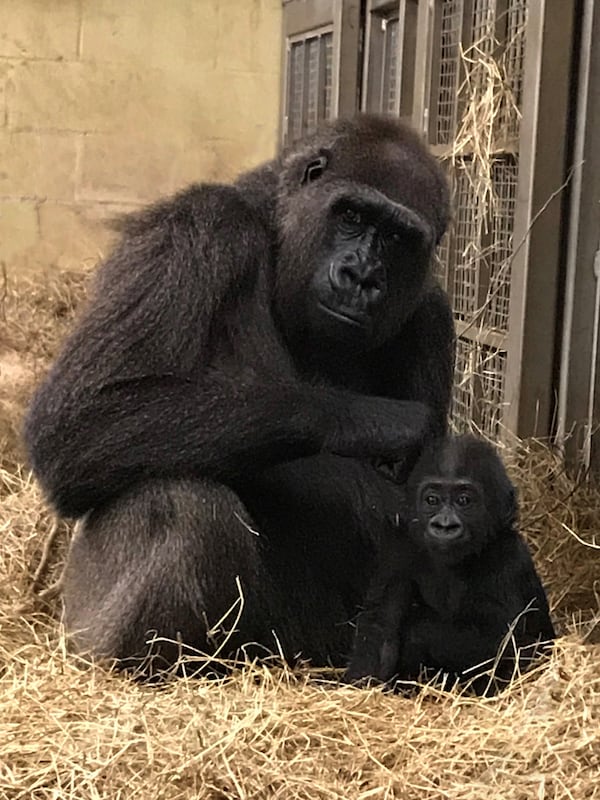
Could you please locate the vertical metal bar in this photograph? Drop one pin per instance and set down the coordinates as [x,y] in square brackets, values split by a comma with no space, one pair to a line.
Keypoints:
[594,369]
[320,110]
[423,67]
[579,387]
[284,87]
[346,40]
[305,85]
[535,268]
[585,51]
[286,91]
[408,32]
[369,57]
[384,80]
[400,51]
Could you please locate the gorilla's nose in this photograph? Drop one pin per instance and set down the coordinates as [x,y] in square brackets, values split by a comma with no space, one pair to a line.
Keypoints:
[353,276]
[445,525]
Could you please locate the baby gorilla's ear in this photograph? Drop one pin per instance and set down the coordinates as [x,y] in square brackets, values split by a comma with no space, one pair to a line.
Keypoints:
[510,512]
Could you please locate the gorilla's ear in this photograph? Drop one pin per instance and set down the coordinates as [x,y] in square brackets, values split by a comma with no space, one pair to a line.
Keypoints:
[315,168]
[511,510]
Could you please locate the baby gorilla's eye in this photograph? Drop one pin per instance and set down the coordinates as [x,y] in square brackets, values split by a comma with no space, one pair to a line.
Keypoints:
[432,499]
[463,500]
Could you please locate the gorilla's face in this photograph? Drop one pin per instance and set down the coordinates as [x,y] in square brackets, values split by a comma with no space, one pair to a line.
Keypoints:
[460,498]
[359,214]
[372,265]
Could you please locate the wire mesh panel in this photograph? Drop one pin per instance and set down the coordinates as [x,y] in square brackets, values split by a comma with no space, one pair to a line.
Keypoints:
[327,45]
[491,368]
[479,57]
[514,56]
[463,399]
[467,244]
[477,253]
[312,50]
[483,25]
[441,258]
[479,394]
[310,71]
[449,70]
[390,82]
[504,182]
[295,98]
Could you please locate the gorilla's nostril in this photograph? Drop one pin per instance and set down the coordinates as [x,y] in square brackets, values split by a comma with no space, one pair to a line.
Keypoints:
[343,276]
[348,275]
[446,530]
[372,292]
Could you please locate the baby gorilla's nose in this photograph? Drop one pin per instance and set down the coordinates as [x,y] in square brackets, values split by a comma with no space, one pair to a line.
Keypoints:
[445,525]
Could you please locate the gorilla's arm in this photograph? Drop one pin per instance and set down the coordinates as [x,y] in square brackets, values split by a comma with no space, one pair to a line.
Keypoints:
[379,626]
[377,640]
[91,448]
[176,369]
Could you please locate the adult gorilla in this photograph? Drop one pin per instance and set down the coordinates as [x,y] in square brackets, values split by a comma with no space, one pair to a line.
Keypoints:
[248,352]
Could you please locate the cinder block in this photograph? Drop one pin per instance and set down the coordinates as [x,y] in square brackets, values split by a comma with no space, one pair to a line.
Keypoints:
[249,35]
[19,230]
[7,69]
[39,28]
[170,36]
[254,96]
[72,236]
[139,169]
[74,96]
[38,165]
[238,155]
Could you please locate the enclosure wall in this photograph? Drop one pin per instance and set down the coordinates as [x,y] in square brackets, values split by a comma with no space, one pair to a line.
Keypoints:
[105,105]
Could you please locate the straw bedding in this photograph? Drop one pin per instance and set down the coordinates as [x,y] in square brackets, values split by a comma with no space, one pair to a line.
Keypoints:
[69,731]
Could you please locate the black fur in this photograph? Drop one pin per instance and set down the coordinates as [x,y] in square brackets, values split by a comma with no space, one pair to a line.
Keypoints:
[247,352]
[453,579]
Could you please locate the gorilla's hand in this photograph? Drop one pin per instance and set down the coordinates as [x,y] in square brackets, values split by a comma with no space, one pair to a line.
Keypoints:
[377,427]
[372,661]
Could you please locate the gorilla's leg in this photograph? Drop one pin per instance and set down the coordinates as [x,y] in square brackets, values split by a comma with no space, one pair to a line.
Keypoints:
[167,559]
[171,559]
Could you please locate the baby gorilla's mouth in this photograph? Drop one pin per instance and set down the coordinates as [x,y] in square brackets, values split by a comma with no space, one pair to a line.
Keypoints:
[445,536]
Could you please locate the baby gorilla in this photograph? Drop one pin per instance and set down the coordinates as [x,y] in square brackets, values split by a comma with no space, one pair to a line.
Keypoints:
[455,589]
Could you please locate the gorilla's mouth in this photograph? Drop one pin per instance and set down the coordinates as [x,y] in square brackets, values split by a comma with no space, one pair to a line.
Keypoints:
[357,320]
[447,540]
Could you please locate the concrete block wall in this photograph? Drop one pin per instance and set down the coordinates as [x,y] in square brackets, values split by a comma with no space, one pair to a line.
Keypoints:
[106,105]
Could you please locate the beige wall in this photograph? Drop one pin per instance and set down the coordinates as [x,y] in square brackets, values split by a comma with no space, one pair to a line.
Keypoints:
[106,104]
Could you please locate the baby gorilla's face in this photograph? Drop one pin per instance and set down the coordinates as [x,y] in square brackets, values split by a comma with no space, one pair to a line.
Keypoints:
[451,517]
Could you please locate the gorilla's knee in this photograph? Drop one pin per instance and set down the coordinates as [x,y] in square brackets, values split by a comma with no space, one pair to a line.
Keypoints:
[157,569]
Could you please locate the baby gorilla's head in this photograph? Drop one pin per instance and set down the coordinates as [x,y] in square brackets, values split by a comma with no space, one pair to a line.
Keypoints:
[460,498]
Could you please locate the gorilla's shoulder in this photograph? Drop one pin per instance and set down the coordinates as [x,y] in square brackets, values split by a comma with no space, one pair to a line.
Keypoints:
[197,203]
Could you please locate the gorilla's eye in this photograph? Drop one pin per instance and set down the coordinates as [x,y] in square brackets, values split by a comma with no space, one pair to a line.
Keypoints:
[314,170]
[352,217]
[432,499]
[463,499]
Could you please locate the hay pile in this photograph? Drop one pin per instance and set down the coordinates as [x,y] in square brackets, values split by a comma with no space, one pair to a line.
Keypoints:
[72,732]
